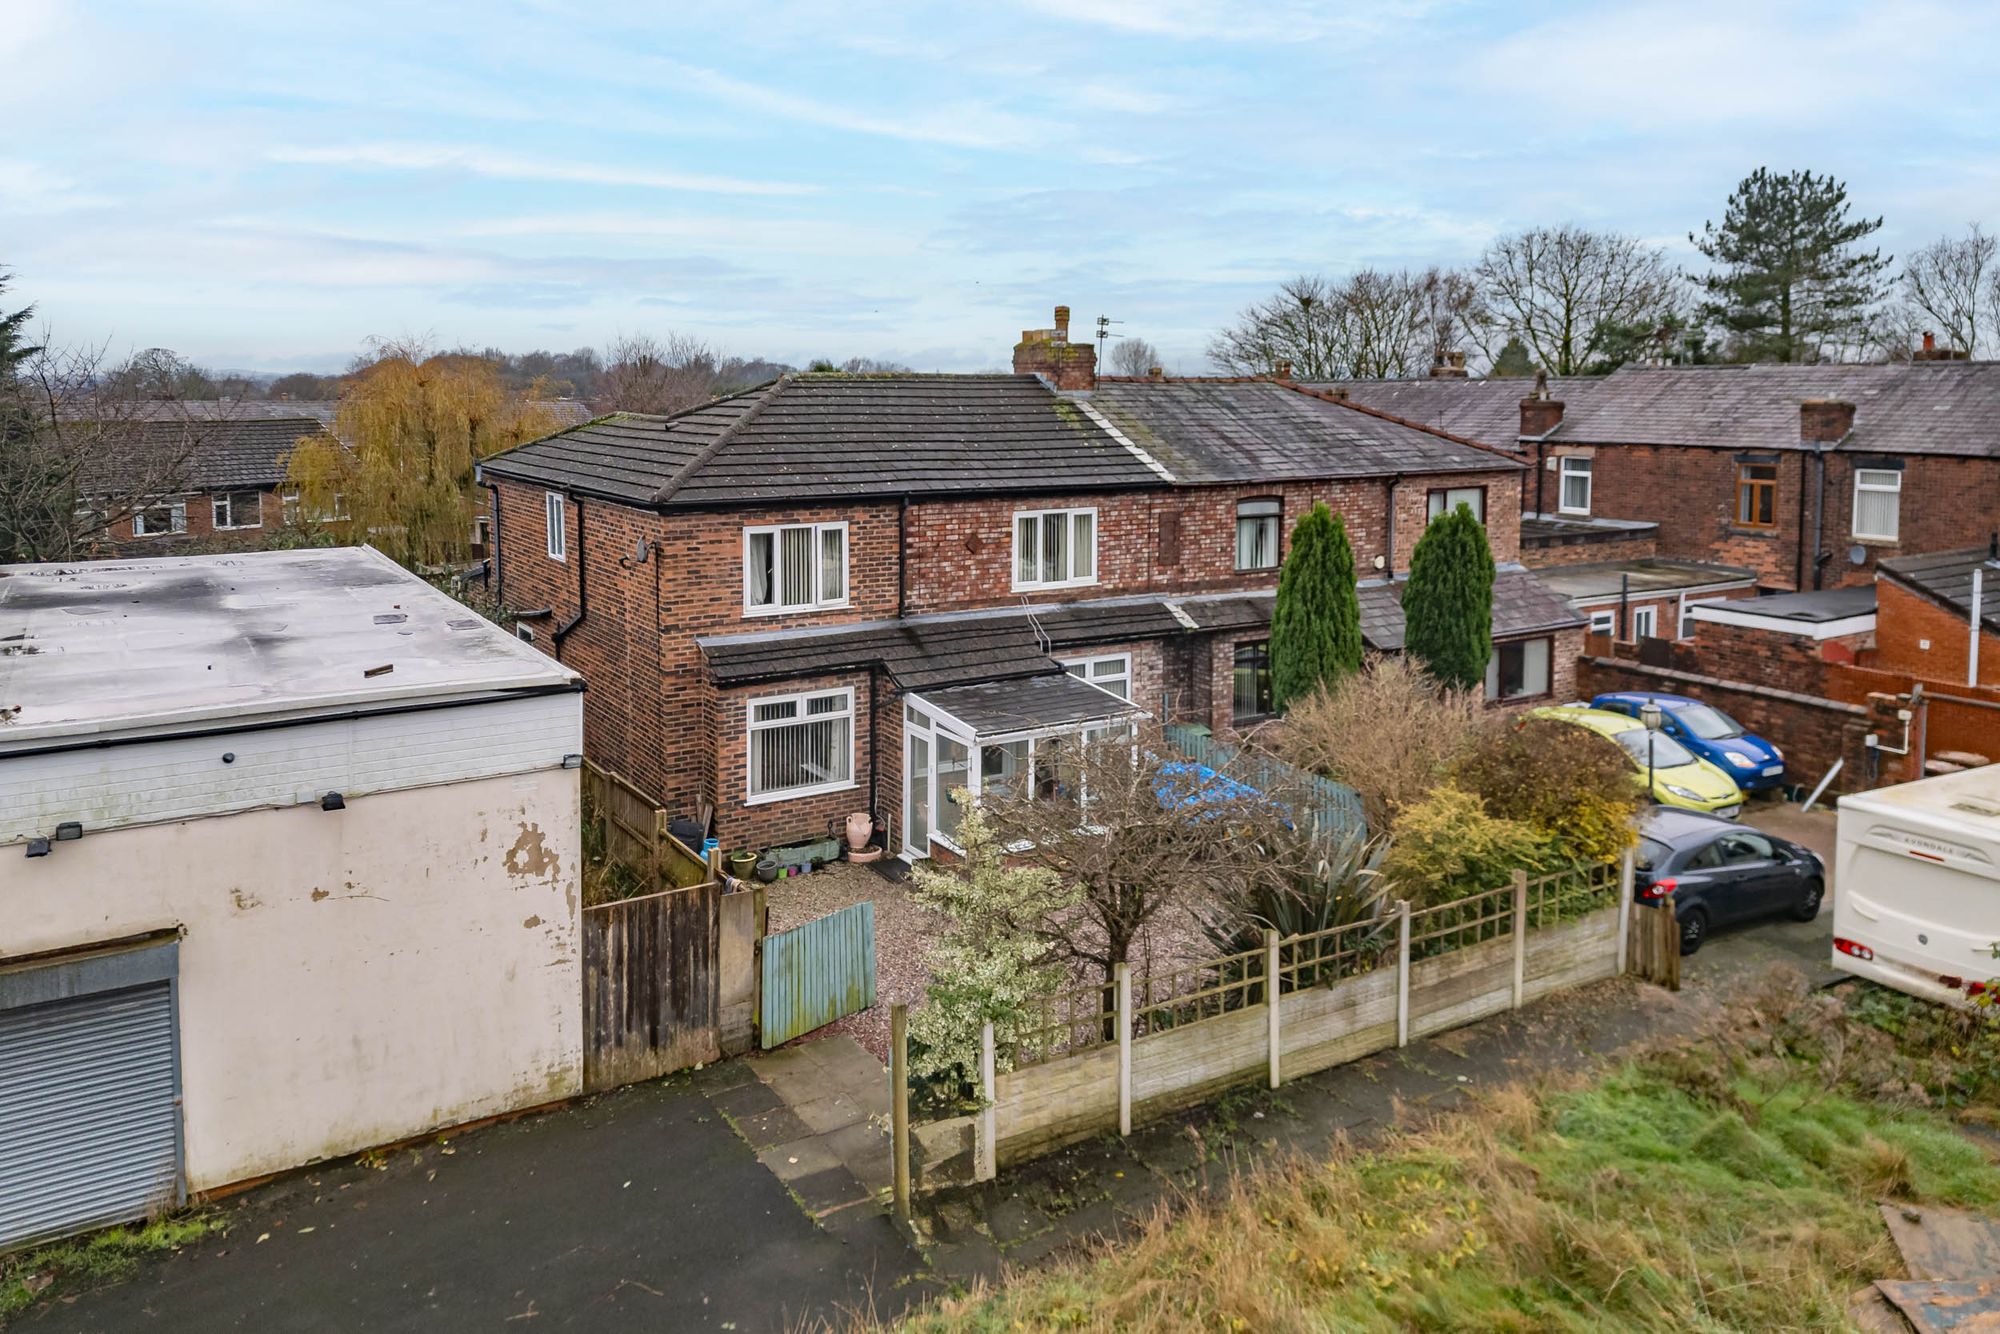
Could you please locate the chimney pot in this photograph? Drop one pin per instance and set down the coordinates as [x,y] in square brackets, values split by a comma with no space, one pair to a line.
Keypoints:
[1156,372]
[1930,341]
[1048,353]
[1283,369]
[1062,324]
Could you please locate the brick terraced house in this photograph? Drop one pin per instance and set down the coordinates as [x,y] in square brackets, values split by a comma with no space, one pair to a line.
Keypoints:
[833,593]
[177,482]
[1807,476]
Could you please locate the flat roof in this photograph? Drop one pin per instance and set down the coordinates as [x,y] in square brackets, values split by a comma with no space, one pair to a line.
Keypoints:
[1644,577]
[1814,608]
[130,646]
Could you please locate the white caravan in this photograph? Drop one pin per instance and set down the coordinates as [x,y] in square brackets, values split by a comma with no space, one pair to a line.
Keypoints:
[1916,902]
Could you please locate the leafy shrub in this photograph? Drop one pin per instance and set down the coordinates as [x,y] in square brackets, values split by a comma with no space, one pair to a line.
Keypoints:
[1448,846]
[1565,781]
[1388,731]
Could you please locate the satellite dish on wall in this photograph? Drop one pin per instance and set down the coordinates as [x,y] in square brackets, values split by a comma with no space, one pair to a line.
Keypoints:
[1857,554]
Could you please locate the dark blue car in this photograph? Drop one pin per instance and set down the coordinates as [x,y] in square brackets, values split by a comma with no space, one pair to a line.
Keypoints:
[1752,761]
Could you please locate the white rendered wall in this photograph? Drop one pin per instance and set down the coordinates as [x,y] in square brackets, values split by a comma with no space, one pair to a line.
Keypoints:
[348,978]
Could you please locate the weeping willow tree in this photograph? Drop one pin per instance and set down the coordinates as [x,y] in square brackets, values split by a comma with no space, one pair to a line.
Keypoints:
[410,428]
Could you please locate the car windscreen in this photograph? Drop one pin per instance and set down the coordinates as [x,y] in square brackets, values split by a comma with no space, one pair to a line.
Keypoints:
[1667,752]
[1652,853]
[1708,724]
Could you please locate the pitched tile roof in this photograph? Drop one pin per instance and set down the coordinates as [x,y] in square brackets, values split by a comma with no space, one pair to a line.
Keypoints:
[1946,577]
[1522,605]
[1488,411]
[1943,407]
[809,437]
[994,708]
[195,455]
[1228,430]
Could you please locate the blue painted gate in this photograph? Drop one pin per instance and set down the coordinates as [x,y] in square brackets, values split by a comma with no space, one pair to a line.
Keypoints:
[816,973]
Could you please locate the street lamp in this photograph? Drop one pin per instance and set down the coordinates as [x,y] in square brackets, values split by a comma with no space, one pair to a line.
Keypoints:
[1652,717]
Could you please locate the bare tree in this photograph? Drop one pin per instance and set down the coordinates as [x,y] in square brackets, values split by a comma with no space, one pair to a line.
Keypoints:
[1374,324]
[1134,356]
[656,375]
[1569,294]
[1952,286]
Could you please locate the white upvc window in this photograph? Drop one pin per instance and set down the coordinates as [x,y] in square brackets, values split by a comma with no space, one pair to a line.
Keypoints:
[1446,499]
[293,506]
[1878,500]
[556,520]
[1573,493]
[1055,548]
[160,518]
[800,744]
[237,509]
[1645,623]
[1257,525]
[1603,622]
[794,567]
[1109,671]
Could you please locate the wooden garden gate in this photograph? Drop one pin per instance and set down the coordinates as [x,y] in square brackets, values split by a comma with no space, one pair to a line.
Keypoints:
[816,973]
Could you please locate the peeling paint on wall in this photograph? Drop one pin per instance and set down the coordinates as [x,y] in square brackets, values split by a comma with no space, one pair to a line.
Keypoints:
[530,855]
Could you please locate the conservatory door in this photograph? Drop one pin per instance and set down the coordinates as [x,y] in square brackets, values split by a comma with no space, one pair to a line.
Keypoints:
[917,793]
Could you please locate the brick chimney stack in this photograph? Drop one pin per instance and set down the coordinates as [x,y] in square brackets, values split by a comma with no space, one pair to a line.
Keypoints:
[1540,414]
[1068,366]
[1448,366]
[1283,370]
[1930,351]
[1825,421]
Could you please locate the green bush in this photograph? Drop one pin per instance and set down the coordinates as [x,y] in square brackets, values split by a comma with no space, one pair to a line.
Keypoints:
[1448,846]
[1316,620]
[1567,782]
[1448,600]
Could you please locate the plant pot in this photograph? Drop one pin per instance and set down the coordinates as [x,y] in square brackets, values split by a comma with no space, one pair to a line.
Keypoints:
[742,864]
[860,828]
[767,870]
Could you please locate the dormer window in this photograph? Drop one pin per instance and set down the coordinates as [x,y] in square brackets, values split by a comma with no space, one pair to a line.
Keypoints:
[794,567]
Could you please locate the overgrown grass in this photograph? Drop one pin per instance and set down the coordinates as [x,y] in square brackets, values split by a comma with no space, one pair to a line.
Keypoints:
[1727,1184]
[31,1276]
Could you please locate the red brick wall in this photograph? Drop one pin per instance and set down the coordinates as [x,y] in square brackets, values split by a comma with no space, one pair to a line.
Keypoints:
[1691,493]
[739,823]
[1905,623]
[202,534]
[1538,555]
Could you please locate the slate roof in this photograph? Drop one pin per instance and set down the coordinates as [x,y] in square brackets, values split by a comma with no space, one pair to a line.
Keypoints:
[1488,411]
[1522,605]
[1938,407]
[1223,430]
[811,437]
[1946,577]
[197,455]
[993,708]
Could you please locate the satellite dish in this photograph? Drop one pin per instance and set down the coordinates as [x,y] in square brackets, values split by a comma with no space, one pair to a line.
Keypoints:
[1381,561]
[639,552]
[1857,554]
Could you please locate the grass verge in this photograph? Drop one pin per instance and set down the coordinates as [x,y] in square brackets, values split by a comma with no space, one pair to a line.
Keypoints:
[1727,1183]
[28,1277]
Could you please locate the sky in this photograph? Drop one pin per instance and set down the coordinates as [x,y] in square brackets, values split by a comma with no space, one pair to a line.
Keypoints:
[269,186]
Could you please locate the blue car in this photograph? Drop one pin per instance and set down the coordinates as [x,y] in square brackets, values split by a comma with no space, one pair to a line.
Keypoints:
[1752,761]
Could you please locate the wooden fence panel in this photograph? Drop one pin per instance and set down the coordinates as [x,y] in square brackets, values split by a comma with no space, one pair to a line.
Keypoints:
[651,985]
[817,973]
[1656,944]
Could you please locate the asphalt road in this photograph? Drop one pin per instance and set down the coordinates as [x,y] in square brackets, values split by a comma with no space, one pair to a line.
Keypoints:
[640,1209]
[1733,953]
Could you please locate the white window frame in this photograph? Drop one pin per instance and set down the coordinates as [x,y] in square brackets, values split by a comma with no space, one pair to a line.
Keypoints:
[776,532]
[555,522]
[1275,517]
[751,727]
[1090,669]
[177,519]
[1447,505]
[1604,622]
[1069,518]
[1878,488]
[1645,623]
[224,503]
[1493,695]
[1564,472]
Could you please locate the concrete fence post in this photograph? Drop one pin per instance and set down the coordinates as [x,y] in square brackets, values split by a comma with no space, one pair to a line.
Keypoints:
[899,1105]
[1402,972]
[1626,867]
[1271,996]
[986,1155]
[1124,988]
[1520,935]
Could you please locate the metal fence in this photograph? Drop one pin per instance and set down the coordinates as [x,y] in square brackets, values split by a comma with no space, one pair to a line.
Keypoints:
[1335,807]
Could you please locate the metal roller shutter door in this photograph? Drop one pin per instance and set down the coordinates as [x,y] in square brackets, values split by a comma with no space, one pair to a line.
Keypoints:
[89,1121]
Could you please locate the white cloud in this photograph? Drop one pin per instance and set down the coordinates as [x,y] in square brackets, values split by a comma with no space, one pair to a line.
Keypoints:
[29,187]
[508,166]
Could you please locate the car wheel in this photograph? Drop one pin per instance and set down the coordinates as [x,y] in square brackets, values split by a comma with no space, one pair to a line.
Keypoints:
[1694,930]
[1810,900]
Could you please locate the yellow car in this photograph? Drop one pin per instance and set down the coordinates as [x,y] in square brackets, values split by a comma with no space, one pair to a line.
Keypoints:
[1680,777]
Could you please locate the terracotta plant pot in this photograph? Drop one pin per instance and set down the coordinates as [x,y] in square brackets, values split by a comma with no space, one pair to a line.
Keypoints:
[860,828]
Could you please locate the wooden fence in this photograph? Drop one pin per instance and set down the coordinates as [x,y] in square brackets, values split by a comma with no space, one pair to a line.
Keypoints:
[1087,1067]
[631,832]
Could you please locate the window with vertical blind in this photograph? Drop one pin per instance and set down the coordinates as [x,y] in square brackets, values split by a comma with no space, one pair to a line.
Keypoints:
[1250,687]
[801,744]
[1055,548]
[1257,524]
[1878,501]
[795,567]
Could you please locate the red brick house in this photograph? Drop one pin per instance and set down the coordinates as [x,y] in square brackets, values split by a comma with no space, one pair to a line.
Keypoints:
[834,593]
[1807,476]
[177,482]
